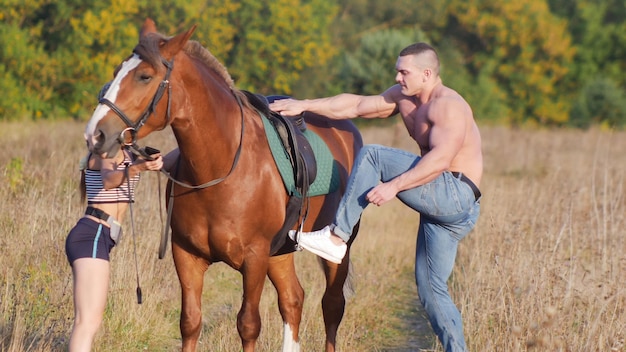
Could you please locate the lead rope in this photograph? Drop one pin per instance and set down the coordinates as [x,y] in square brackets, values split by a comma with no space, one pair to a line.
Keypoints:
[141,152]
[132,226]
[165,233]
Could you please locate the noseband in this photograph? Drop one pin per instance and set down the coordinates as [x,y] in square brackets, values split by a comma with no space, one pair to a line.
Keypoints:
[133,128]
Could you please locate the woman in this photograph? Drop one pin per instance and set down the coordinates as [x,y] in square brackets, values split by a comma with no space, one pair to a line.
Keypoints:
[108,192]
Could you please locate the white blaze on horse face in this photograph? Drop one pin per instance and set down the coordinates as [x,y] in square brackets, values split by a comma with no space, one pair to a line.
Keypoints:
[111,95]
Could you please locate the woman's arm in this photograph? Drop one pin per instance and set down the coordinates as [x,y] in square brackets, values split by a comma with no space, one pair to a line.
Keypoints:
[112,177]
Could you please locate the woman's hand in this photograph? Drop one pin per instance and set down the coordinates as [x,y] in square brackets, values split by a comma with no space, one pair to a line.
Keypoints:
[150,165]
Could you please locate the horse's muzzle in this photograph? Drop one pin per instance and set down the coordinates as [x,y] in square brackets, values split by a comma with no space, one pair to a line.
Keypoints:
[101,144]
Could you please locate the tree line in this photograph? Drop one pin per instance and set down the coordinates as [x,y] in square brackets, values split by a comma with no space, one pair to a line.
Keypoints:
[532,62]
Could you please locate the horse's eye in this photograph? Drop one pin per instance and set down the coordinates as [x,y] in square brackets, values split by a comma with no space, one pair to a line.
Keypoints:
[145,78]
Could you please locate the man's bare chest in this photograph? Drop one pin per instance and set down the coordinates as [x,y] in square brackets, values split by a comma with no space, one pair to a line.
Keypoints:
[417,125]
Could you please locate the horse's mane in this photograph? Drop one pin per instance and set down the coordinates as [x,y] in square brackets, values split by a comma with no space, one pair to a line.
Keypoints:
[195,49]
[148,50]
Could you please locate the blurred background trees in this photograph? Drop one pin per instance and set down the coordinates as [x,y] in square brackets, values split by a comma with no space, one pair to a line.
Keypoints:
[532,62]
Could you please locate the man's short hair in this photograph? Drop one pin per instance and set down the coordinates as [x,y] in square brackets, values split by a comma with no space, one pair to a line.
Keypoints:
[417,48]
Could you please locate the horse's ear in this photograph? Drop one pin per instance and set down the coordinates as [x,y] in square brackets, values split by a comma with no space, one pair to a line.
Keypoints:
[148,27]
[175,44]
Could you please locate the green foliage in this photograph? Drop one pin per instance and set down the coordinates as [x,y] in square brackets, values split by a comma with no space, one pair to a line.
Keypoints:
[211,17]
[601,102]
[26,74]
[57,54]
[598,70]
[14,103]
[358,18]
[487,99]
[264,45]
[519,62]
[527,49]
[99,40]
[276,41]
[597,28]
[370,68]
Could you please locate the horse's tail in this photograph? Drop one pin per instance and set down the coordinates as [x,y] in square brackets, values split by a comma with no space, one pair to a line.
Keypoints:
[348,285]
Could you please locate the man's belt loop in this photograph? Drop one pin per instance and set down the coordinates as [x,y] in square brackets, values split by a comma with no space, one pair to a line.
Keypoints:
[469,182]
[95,212]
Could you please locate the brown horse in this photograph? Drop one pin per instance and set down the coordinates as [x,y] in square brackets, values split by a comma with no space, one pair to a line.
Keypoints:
[242,206]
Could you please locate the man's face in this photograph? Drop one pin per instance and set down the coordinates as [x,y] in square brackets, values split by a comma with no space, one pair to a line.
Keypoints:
[409,76]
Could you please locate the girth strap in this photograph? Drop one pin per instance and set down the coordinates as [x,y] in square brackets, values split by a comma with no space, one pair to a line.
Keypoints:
[304,167]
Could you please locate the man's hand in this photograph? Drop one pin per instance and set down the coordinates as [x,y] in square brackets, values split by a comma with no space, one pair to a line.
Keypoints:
[382,193]
[288,107]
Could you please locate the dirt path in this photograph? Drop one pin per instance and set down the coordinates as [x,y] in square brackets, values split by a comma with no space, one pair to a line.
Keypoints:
[419,335]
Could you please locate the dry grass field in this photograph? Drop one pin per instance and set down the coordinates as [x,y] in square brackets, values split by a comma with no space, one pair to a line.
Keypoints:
[544,269]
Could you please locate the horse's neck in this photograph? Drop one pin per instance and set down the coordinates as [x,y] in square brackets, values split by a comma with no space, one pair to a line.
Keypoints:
[209,138]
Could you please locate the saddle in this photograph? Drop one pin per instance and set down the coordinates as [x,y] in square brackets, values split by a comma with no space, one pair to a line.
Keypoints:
[302,158]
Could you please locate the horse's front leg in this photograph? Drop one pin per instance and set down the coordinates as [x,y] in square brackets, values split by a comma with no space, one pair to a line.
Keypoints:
[282,273]
[253,270]
[190,270]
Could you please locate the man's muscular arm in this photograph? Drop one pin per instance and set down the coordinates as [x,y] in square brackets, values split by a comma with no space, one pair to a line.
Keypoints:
[342,106]
[446,136]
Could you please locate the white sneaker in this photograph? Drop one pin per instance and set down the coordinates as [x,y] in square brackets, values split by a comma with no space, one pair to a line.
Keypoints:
[319,243]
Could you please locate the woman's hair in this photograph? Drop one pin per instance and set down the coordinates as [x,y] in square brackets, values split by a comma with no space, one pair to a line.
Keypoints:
[84,164]
[104,90]
[83,187]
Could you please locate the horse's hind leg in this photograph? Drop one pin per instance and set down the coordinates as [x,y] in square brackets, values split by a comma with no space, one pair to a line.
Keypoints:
[190,271]
[334,301]
[282,273]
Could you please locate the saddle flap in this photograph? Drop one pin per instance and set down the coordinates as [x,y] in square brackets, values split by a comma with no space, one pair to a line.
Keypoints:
[290,131]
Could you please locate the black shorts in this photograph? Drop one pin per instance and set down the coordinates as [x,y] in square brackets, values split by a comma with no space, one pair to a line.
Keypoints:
[88,239]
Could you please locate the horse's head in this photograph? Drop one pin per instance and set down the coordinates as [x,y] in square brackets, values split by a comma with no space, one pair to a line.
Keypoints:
[135,94]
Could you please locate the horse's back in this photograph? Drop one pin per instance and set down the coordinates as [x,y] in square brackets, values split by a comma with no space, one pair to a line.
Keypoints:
[342,136]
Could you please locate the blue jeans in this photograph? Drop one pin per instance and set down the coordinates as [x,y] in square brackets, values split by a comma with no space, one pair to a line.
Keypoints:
[448,212]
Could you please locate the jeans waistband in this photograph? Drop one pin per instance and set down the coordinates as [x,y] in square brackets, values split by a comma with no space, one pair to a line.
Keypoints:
[469,182]
[95,212]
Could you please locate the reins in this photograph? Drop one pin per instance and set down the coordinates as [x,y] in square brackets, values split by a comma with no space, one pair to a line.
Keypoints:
[133,128]
[170,207]
[232,168]
[132,226]
[132,146]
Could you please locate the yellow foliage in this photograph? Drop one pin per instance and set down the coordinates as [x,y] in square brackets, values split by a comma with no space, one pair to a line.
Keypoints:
[531,48]
[274,48]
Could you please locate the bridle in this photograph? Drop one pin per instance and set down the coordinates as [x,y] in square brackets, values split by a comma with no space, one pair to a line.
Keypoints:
[133,128]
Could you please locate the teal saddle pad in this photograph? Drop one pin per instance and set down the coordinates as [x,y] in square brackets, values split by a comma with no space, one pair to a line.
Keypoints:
[327,179]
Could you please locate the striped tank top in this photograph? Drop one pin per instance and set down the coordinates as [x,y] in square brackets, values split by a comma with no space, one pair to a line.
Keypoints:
[97,194]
